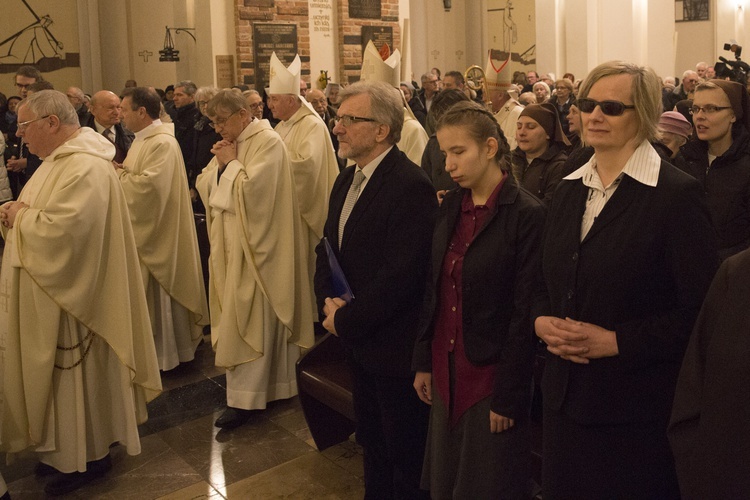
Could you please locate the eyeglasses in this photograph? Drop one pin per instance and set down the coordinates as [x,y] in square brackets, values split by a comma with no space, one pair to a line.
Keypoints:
[257,105]
[222,121]
[347,120]
[201,103]
[22,85]
[22,125]
[709,109]
[318,101]
[609,108]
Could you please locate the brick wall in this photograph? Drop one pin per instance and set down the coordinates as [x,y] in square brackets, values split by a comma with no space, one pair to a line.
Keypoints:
[248,12]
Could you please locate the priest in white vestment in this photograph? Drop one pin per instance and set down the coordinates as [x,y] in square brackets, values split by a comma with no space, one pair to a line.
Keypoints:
[311,154]
[77,354]
[156,189]
[259,291]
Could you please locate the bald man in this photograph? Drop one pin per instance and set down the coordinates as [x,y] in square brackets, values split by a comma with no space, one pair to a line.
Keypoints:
[105,119]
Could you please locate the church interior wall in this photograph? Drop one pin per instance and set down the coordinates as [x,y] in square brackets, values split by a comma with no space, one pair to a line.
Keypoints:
[110,41]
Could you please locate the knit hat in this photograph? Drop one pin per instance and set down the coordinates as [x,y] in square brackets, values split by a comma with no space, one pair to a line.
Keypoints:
[546,115]
[738,98]
[675,123]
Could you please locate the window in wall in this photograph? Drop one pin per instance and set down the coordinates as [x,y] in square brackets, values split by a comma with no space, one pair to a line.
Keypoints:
[691,10]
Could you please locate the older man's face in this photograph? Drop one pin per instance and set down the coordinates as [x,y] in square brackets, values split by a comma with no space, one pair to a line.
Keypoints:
[690,81]
[255,103]
[318,100]
[106,108]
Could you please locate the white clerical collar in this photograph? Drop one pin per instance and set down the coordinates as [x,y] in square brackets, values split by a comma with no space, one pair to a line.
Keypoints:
[146,131]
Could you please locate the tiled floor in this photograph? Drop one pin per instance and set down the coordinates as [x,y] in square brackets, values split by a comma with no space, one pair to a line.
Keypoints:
[185,457]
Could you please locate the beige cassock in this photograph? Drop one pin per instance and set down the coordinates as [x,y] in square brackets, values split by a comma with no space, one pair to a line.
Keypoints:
[259,294]
[413,138]
[156,190]
[315,169]
[78,357]
[507,117]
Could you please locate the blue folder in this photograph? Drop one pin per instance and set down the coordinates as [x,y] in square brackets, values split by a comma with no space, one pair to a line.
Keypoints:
[341,287]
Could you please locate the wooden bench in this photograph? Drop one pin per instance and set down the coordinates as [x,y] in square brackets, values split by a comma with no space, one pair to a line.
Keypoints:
[324,383]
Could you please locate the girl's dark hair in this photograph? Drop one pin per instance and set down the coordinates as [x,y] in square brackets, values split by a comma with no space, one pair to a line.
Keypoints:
[479,123]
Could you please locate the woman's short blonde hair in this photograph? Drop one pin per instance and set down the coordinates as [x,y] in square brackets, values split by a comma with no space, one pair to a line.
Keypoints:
[646,93]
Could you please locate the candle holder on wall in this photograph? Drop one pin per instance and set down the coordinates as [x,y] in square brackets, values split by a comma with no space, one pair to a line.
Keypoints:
[169,53]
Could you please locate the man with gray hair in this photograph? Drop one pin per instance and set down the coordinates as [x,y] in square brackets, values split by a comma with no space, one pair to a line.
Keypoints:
[74,322]
[683,91]
[259,293]
[379,227]
[186,115]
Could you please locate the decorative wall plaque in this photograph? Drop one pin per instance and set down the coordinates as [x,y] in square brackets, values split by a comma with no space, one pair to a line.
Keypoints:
[379,35]
[224,71]
[364,9]
[267,39]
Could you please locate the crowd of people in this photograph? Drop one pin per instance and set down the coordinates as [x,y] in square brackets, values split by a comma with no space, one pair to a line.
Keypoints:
[579,220]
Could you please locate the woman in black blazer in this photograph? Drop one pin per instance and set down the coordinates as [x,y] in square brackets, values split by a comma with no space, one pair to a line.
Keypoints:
[628,256]
[474,355]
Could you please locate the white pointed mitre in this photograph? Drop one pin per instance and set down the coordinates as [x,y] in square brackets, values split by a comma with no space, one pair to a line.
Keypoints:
[283,80]
[497,74]
[374,69]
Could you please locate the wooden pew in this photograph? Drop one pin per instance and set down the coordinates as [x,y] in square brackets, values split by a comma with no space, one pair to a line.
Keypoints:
[324,382]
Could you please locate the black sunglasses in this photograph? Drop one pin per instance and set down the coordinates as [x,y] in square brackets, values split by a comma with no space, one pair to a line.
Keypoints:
[609,108]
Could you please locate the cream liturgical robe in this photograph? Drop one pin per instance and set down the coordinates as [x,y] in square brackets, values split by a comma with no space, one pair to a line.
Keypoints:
[315,169]
[413,138]
[156,190]
[259,292]
[70,278]
[507,117]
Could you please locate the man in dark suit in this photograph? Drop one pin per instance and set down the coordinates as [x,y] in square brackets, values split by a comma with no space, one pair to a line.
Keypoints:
[105,119]
[380,221]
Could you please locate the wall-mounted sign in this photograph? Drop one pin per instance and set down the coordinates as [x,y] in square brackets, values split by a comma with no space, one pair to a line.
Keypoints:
[267,39]
[364,9]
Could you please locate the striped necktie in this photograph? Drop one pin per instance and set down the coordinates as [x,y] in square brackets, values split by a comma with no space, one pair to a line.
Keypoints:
[351,199]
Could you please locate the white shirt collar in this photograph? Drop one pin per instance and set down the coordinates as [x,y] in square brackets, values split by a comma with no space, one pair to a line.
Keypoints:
[643,166]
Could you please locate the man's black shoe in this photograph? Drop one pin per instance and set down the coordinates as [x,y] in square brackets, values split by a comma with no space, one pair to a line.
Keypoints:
[233,417]
[65,483]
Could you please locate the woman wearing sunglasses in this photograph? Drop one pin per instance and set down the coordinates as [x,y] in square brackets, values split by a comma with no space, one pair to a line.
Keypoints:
[720,159]
[628,256]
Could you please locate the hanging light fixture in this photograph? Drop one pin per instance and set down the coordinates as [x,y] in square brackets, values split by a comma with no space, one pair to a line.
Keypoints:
[169,53]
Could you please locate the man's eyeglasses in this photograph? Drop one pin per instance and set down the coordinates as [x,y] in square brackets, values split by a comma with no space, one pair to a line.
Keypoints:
[221,121]
[201,103]
[22,125]
[23,85]
[257,105]
[709,109]
[347,120]
[609,108]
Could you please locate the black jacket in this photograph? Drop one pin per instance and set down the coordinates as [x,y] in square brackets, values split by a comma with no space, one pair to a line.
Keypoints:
[642,271]
[384,257]
[710,426]
[123,139]
[501,273]
[184,131]
[545,172]
[727,186]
